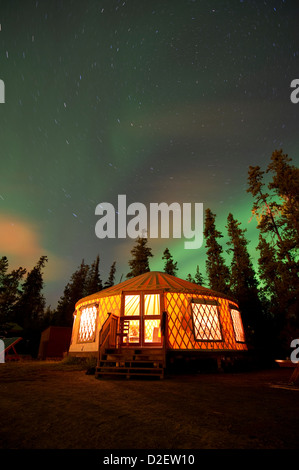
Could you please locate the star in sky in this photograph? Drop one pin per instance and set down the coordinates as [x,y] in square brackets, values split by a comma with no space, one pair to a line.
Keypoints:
[163,102]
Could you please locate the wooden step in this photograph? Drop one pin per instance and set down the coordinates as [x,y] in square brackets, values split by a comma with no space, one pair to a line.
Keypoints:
[131,365]
[131,362]
[132,357]
[128,372]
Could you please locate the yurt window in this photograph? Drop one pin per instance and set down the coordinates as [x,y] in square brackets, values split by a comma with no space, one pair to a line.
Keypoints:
[152,331]
[132,311]
[206,322]
[143,313]
[152,304]
[132,305]
[87,326]
[238,326]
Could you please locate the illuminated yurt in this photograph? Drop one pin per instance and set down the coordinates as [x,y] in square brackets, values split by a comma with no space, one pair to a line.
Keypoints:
[155,313]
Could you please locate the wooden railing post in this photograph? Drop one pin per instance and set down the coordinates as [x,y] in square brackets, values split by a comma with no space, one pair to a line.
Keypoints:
[164,330]
[107,335]
[102,335]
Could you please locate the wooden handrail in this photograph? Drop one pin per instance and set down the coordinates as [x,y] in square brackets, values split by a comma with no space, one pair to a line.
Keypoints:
[107,335]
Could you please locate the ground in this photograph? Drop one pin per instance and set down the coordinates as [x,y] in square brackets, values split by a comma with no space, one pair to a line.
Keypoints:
[50,405]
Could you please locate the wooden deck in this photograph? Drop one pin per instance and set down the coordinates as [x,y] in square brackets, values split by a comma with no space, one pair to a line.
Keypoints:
[129,362]
[117,359]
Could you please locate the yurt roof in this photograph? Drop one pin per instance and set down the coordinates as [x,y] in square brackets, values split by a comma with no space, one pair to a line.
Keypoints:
[154,281]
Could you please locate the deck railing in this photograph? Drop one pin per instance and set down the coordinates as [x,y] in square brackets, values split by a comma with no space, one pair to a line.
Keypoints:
[107,336]
[109,330]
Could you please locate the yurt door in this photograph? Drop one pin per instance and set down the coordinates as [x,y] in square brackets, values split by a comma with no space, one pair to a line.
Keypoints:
[144,314]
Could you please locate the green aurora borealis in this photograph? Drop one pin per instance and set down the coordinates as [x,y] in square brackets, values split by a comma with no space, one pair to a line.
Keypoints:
[163,101]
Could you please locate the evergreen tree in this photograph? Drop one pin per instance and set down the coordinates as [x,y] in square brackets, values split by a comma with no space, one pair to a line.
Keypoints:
[217,271]
[243,282]
[73,291]
[242,277]
[285,185]
[141,253]
[31,305]
[277,213]
[3,270]
[199,279]
[189,278]
[111,279]
[9,293]
[170,266]
[93,280]
[269,271]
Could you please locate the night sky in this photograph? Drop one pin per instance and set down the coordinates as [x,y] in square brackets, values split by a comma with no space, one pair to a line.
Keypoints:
[163,101]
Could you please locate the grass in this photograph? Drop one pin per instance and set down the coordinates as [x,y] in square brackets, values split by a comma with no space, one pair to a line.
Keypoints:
[57,405]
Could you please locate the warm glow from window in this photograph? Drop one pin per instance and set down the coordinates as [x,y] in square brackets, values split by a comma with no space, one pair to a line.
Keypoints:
[152,332]
[206,322]
[238,327]
[132,305]
[87,326]
[134,331]
[152,304]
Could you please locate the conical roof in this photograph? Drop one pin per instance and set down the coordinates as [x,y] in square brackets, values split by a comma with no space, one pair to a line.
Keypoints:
[154,281]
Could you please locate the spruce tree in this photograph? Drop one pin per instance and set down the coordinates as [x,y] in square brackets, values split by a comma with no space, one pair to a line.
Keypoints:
[199,279]
[170,266]
[243,282]
[3,270]
[189,278]
[217,271]
[141,253]
[111,279]
[73,291]
[285,185]
[275,291]
[271,276]
[242,277]
[277,213]
[10,292]
[30,308]
[93,280]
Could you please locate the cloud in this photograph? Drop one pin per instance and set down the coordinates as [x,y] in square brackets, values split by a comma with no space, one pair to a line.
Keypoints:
[20,242]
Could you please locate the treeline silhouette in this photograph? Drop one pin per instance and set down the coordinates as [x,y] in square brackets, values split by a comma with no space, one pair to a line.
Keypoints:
[267,294]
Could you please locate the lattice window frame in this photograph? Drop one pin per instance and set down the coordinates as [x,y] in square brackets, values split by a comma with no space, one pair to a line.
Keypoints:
[92,336]
[180,329]
[207,304]
[177,304]
[235,326]
[149,325]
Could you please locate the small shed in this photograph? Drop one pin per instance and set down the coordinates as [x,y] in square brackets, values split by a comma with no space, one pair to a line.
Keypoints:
[54,342]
